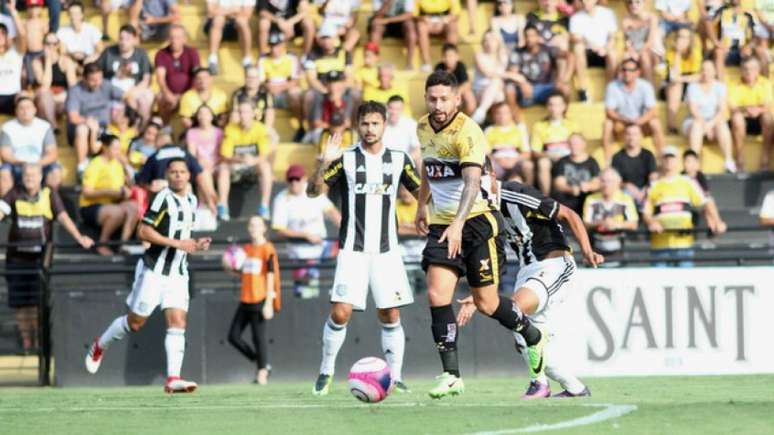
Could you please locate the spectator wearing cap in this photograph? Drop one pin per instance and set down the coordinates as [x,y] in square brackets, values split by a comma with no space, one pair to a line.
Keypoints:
[279,74]
[156,17]
[667,213]
[53,74]
[434,17]
[451,63]
[175,65]
[327,62]
[244,156]
[636,165]
[336,99]
[394,19]
[28,139]
[152,174]
[630,100]
[254,92]
[300,220]
[128,67]
[104,202]
[203,92]
[81,40]
[291,18]
[238,11]
[88,111]
[11,65]
[749,100]
[386,88]
[32,210]
[109,7]
[400,130]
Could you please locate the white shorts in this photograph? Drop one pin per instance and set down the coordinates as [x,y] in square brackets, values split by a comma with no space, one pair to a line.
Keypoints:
[762,32]
[151,289]
[119,4]
[549,280]
[235,3]
[384,273]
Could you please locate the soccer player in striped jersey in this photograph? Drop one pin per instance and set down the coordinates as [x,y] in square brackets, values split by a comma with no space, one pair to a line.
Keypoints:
[161,276]
[368,176]
[544,277]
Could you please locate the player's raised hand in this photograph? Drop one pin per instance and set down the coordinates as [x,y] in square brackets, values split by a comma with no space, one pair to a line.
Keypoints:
[467,309]
[593,259]
[453,237]
[203,243]
[332,149]
[420,220]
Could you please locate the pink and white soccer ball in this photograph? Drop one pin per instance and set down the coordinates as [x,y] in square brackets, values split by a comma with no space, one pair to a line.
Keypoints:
[370,380]
[234,257]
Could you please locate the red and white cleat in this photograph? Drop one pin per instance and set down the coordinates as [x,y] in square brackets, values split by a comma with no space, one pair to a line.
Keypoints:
[177,385]
[94,357]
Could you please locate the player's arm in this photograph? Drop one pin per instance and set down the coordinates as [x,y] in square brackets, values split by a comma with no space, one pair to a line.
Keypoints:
[147,233]
[329,166]
[575,223]
[423,197]
[64,219]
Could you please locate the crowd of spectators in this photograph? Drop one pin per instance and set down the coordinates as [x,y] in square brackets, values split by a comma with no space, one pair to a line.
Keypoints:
[125,113]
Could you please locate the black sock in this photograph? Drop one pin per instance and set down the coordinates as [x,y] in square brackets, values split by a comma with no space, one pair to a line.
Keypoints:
[510,316]
[444,326]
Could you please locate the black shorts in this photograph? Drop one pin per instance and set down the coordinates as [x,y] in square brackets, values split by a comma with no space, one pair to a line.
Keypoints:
[23,290]
[391,30]
[90,215]
[752,126]
[483,249]
[593,60]
[8,104]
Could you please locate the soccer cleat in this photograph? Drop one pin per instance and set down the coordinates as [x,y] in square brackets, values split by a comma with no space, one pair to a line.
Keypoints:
[94,357]
[323,385]
[565,394]
[401,387]
[537,390]
[175,384]
[537,364]
[448,385]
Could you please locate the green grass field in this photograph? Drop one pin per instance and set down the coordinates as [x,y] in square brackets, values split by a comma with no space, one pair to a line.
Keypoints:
[652,405]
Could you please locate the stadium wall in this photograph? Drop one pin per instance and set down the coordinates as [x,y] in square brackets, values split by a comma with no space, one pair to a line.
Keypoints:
[614,322]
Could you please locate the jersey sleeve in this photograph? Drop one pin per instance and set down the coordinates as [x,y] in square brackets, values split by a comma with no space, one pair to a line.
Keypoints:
[157,211]
[334,173]
[408,176]
[529,197]
[471,145]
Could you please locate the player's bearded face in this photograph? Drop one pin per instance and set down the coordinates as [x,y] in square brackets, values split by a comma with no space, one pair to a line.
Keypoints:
[442,102]
[371,128]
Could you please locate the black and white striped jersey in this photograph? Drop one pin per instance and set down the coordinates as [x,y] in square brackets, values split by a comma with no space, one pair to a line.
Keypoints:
[172,216]
[533,229]
[369,184]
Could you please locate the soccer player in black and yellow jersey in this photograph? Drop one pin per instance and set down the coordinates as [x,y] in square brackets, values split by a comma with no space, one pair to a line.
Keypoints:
[465,231]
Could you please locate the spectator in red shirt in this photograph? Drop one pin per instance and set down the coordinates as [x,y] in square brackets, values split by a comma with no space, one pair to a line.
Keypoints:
[175,64]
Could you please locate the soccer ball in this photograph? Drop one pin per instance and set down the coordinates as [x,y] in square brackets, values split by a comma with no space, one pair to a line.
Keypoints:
[370,380]
[234,257]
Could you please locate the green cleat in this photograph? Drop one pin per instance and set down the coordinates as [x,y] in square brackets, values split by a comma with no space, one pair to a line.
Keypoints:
[323,385]
[448,385]
[537,363]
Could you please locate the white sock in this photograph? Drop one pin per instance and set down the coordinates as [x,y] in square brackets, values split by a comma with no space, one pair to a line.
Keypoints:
[116,331]
[558,372]
[393,346]
[174,343]
[213,58]
[523,352]
[333,338]
[247,60]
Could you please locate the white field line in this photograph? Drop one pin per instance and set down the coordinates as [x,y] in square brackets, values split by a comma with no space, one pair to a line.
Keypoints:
[611,411]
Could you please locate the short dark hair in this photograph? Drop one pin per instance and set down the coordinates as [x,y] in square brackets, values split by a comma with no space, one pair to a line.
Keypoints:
[200,69]
[395,99]
[690,153]
[91,68]
[448,46]
[176,159]
[441,78]
[106,139]
[3,29]
[631,60]
[371,107]
[22,97]
[531,27]
[556,93]
[128,28]
[75,4]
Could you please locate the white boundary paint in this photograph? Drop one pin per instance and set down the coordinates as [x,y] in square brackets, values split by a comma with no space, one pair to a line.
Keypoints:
[610,411]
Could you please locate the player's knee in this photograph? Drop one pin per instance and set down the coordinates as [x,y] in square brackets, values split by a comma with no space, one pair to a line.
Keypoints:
[135,322]
[389,315]
[486,305]
[340,313]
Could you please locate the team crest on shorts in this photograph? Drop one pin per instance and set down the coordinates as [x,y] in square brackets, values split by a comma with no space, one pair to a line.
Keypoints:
[340,289]
[142,306]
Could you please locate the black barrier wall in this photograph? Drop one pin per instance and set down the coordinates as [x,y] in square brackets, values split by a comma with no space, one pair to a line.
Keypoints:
[294,341]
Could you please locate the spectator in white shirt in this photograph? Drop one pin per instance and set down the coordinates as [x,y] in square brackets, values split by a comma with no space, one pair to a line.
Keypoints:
[400,131]
[674,15]
[81,40]
[593,31]
[766,217]
[301,220]
[10,71]
[240,12]
[27,139]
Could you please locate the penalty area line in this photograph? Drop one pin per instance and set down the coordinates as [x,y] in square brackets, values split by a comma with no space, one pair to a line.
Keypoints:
[610,411]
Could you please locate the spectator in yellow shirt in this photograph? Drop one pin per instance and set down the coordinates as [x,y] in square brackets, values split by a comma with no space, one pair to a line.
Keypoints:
[667,213]
[509,145]
[550,139]
[203,92]
[245,152]
[683,60]
[433,18]
[104,202]
[386,88]
[750,103]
